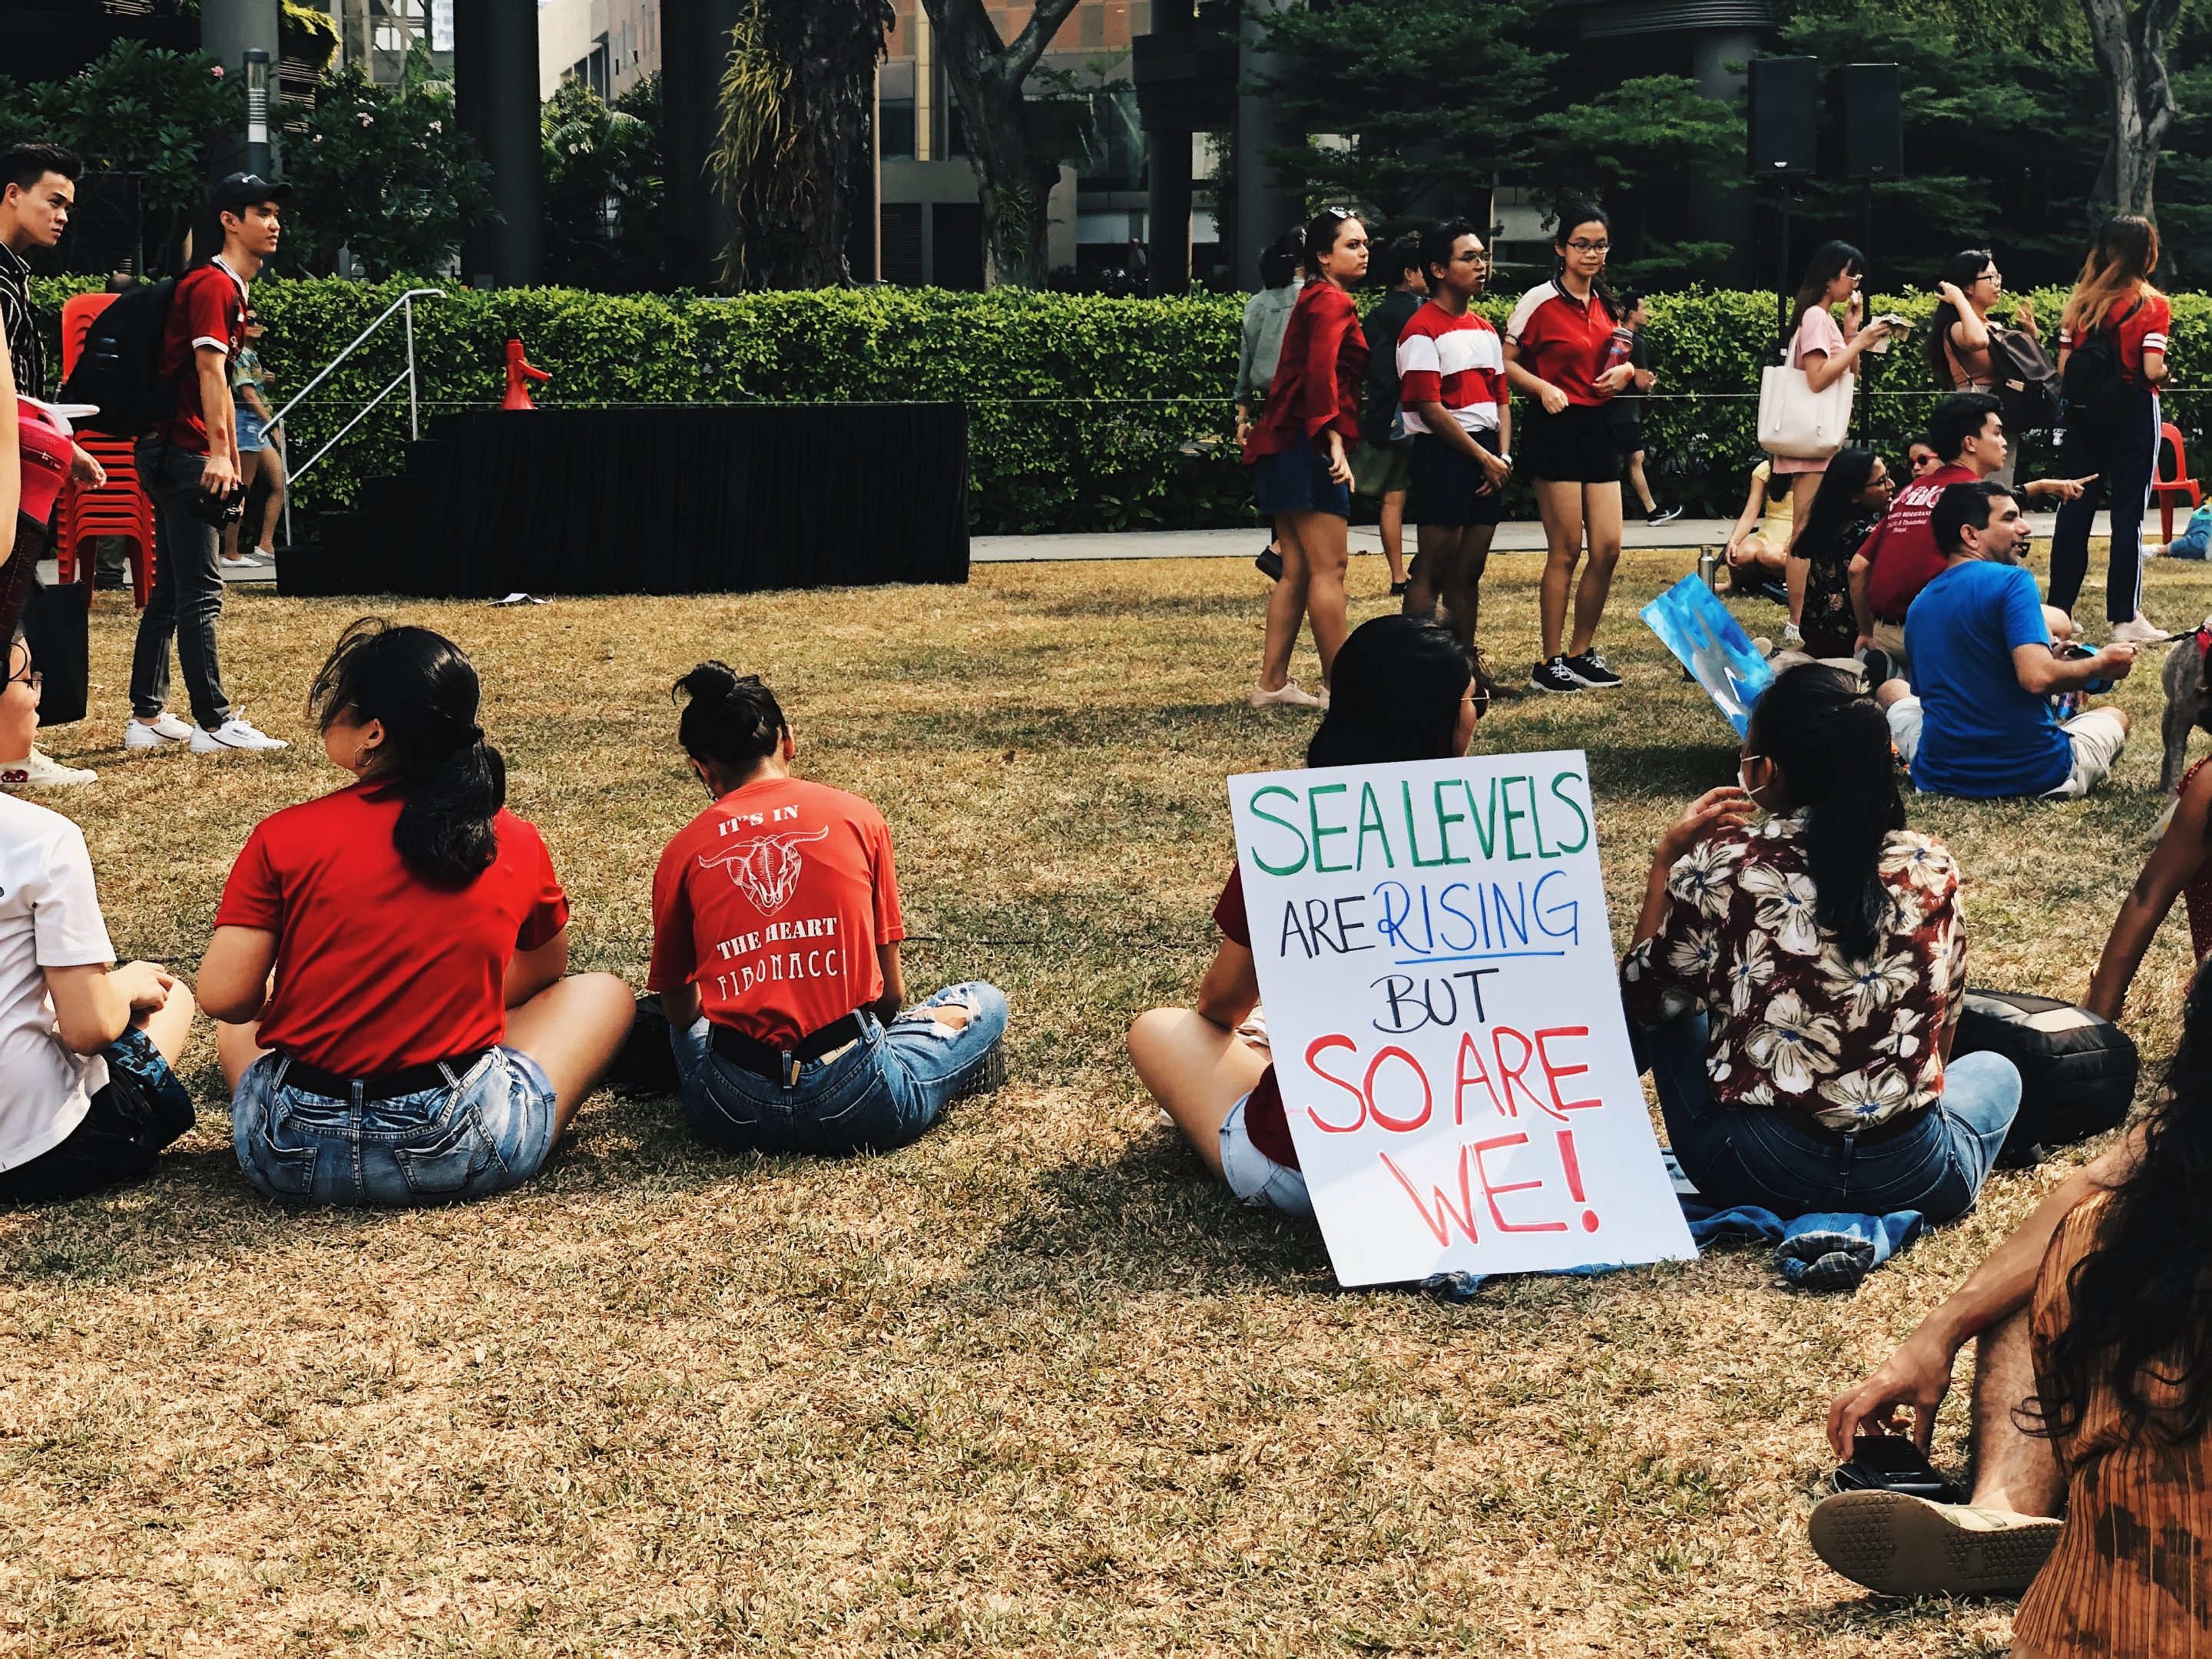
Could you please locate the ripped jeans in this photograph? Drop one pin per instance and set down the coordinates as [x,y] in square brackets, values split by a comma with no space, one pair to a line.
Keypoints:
[882,1093]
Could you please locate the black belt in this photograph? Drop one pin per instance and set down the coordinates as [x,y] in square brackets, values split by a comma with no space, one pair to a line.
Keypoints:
[1888,1129]
[781,1065]
[408,1080]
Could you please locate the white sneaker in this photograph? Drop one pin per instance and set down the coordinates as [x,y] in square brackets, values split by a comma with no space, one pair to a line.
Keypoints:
[138,736]
[1287,696]
[2138,629]
[41,772]
[236,733]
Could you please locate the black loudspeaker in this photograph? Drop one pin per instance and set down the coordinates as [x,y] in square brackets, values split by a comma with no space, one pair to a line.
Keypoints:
[1867,103]
[1786,96]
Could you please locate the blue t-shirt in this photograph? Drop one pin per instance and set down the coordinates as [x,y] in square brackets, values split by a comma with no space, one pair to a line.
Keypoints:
[1981,734]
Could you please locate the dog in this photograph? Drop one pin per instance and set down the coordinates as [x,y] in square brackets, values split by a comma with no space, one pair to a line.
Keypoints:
[2188,702]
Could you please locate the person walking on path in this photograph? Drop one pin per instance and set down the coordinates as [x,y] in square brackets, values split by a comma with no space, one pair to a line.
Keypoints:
[2112,351]
[189,466]
[1824,351]
[1624,413]
[1381,470]
[1260,347]
[1298,450]
[259,455]
[1566,353]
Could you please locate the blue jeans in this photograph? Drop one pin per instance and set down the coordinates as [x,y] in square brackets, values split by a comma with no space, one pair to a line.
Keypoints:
[187,596]
[882,1093]
[1776,1158]
[486,1130]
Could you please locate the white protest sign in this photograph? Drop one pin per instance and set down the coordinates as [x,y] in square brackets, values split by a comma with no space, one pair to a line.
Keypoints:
[1443,1004]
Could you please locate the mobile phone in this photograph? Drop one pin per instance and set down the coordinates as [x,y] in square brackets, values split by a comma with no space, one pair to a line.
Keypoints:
[1890,1463]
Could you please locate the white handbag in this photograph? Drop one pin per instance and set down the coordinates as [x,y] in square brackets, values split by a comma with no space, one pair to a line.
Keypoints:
[1797,422]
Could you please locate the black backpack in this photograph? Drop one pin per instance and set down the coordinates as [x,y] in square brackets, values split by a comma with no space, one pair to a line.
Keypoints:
[2024,379]
[2096,380]
[2077,1070]
[119,368]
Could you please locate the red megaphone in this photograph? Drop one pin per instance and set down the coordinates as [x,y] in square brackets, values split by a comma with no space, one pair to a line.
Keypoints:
[520,371]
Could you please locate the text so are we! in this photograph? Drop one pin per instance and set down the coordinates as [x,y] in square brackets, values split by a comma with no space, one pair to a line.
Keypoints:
[1435,959]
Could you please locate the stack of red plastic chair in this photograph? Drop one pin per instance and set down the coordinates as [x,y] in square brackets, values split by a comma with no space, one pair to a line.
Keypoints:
[117,508]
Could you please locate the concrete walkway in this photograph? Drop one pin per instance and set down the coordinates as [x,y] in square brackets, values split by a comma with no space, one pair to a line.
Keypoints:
[1524,535]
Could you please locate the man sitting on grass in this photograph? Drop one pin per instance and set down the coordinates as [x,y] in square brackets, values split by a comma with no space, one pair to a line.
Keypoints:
[1902,557]
[1985,669]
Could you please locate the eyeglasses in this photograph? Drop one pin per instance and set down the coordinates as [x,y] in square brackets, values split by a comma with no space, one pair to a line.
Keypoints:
[1580,246]
[30,676]
[1989,277]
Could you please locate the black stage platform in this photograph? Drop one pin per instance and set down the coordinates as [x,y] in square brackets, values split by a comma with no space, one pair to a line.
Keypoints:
[675,499]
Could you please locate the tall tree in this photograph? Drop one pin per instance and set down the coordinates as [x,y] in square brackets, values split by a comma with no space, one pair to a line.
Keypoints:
[1429,102]
[1016,158]
[797,137]
[2129,39]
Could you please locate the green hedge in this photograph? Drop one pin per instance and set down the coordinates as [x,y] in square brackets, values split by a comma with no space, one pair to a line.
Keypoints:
[1085,413]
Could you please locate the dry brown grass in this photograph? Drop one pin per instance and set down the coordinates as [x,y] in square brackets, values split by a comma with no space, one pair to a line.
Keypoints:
[1032,1385]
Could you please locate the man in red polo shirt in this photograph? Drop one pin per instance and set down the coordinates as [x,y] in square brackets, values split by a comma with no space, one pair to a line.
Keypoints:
[188,465]
[1901,557]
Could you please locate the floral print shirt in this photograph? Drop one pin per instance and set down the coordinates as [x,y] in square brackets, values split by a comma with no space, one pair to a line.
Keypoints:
[1792,1023]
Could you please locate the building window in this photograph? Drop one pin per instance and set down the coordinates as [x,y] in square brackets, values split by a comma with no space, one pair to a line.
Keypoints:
[901,233]
[896,116]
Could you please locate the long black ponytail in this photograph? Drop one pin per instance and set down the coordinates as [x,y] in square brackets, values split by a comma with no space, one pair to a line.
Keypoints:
[452,783]
[1832,745]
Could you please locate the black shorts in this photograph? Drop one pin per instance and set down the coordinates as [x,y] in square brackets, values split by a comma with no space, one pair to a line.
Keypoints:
[1572,447]
[141,1110]
[1627,436]
[1447,484]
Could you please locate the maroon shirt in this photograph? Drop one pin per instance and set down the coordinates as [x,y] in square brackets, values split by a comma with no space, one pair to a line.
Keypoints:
[208,309]
[1265,1120]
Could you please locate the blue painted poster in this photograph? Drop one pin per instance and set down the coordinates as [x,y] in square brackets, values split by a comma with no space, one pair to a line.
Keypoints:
[1708,641]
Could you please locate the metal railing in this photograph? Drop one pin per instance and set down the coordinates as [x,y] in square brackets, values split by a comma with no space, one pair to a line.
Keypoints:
[404,307]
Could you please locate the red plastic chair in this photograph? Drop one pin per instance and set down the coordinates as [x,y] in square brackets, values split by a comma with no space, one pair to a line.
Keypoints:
[117,508]
[2179,487]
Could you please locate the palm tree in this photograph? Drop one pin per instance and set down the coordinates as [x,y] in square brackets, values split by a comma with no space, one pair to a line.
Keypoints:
[797,137]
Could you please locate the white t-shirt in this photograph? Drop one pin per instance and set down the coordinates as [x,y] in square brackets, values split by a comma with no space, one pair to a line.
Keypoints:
[49,918]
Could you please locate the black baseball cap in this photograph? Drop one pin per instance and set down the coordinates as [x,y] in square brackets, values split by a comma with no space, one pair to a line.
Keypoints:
[241,190]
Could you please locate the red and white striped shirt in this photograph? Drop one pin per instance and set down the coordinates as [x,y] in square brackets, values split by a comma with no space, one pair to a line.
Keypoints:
[1458,361]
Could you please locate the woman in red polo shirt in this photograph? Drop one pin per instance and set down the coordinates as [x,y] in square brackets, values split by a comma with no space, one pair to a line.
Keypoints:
[388,961]
[1296,454]
[1403,691]
[1566,353]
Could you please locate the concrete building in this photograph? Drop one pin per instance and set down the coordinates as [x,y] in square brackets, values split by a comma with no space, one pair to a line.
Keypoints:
[932,228]
[609,44]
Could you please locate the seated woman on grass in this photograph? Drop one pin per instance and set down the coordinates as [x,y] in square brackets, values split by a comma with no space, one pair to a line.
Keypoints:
[415,1041]
[87,1097]
[775,953]
[1798,983]
[1402,691]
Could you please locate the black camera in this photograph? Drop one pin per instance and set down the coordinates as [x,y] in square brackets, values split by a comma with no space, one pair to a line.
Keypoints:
[219,510]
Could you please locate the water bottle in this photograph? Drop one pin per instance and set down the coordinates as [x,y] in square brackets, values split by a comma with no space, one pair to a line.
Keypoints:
[1709,568]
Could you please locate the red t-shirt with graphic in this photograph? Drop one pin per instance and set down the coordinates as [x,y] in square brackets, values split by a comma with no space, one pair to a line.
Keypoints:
[1901,553]
[377,969]
[207,309]
[773,902]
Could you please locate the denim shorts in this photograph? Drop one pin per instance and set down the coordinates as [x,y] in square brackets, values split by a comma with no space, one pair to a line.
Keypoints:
[880,1092]
[491,1129]
[1253,1175]
[252,433]
[1295,480]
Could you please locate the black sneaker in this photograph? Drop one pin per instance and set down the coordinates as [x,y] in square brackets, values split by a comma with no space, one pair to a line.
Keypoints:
[1881,666]
[1663,515]
[1269,564]
[1590,670]
[1552,675]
